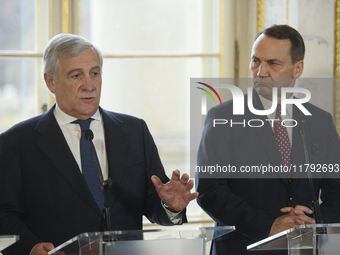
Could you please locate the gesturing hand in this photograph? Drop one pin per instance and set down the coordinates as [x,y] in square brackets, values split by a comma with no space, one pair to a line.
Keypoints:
[175,193]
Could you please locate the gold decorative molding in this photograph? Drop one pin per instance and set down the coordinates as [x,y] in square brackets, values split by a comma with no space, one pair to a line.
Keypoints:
[337,66]
[260,15]
[287,12]
[337,40]
[237,60]
[21,55]
[66,16]
[50,11]
[79,17]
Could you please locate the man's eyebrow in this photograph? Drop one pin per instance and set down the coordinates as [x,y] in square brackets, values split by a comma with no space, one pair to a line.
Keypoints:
[267,60]
[274,60]
[96,67]
[74,70]
[81,70]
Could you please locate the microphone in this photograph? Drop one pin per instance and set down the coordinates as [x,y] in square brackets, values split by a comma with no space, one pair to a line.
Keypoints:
[89,135]
[106,185]
[315,203]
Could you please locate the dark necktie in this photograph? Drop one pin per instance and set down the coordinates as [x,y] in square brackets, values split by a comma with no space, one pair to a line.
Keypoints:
[88,167]
[282,140]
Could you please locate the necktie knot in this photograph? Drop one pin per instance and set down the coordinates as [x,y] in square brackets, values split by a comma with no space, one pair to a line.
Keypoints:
[84,124]
[278,111]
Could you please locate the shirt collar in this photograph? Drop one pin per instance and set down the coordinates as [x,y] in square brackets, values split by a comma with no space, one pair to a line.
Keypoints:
[63,118]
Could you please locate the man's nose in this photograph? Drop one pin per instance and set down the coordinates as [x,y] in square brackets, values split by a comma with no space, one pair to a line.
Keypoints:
[263,70]
[87,83]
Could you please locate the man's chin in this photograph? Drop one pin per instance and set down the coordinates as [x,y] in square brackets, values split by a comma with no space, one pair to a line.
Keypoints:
[86,113]
[265,92]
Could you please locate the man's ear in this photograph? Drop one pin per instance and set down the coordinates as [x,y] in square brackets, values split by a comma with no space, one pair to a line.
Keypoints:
[50,83]
[298,69]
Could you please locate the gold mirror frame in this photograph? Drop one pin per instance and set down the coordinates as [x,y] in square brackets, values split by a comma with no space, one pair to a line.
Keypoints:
[336,88]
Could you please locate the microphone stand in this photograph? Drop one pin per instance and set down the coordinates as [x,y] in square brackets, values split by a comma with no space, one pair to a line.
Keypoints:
[106,185]
[315,203]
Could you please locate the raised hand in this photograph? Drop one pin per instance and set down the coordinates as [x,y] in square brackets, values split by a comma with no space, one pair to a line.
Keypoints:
[176,192]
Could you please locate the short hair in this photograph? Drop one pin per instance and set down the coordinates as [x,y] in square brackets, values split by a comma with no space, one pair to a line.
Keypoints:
[297,49]
[67,45]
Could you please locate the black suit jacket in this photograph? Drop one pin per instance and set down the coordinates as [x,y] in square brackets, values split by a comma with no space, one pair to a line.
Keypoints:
[44,197]
[253,204]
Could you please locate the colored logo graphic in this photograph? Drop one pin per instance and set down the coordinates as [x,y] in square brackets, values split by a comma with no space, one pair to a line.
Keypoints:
[212,89]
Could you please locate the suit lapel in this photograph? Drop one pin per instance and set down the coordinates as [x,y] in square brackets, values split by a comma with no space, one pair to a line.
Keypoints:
[117,143]
[267,138]
[54,145]
[265,133]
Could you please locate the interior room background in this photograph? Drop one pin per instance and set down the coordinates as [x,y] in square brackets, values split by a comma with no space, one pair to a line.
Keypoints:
[151,50]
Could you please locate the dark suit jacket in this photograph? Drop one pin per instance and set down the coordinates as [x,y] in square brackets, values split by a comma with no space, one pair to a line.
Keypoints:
[44,197]
[253,204]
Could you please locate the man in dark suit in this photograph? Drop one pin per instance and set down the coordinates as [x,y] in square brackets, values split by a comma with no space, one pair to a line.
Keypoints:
[261,207]
[45,196]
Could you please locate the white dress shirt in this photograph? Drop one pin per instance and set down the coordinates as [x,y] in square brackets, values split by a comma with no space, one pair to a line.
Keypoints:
[72,134]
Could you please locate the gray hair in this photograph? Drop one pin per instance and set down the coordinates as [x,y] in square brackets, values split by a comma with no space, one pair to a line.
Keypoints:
[68,45]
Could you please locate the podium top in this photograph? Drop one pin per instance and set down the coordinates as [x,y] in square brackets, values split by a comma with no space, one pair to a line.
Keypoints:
[6,241]
[207,234]
[300,237]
